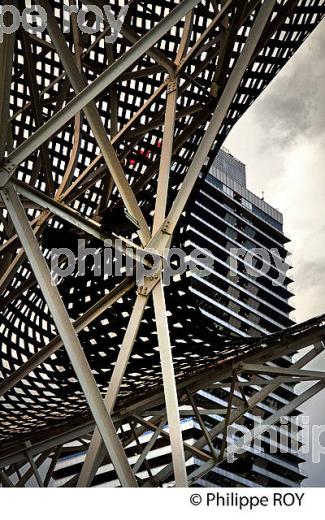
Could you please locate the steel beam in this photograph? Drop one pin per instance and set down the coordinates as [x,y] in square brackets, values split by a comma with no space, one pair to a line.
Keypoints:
[168,374]
[227,418]
[187,412]
[218,117]
[31,76]
[132,423]
[202,425]
[96,450]
[68,214]
[247,439]
[54,460]
[68,336]
[148,447]
[89,93]
[156,54]
[166,435]
[95,122]
[16,456]
[23,479]
[236,414]
[60,438]
[166,155]
[33,466]
[250,368]
[6,62]
[6,482]
[80,323]
[199,43]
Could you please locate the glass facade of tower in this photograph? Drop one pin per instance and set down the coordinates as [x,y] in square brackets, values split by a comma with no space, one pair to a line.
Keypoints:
[230,221]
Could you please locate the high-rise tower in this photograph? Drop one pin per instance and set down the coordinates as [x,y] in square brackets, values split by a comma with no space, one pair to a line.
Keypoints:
[241,298]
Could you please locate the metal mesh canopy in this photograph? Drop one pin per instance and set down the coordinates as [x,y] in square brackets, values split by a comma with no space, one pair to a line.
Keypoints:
[55,159]
[65,412]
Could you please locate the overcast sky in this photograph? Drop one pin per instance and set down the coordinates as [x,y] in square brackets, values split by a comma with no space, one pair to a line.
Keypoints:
[281,140]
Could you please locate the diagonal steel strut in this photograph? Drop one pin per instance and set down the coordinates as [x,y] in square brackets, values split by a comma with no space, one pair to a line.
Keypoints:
[68,336]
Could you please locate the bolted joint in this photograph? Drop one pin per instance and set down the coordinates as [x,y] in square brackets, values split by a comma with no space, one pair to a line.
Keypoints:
[167,227]
[149,283]
[6,171]
[171,86]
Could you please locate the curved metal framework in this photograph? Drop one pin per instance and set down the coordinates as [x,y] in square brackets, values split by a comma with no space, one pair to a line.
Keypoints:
[90,128]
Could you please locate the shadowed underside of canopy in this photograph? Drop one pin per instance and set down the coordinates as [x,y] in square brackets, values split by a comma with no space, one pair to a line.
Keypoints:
[90,129]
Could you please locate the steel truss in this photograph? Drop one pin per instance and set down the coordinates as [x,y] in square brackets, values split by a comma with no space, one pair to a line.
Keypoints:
[190,98]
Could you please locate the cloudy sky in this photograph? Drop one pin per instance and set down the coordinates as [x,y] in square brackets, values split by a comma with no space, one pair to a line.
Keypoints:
[281,140]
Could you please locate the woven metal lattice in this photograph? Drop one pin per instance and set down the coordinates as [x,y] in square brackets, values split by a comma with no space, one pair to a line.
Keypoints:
[50,395]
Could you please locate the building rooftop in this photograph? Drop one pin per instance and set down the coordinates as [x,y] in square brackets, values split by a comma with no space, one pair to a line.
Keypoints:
[232,173]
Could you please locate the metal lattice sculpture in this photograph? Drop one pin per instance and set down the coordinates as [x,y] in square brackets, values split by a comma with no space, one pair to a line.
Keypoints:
[94,128]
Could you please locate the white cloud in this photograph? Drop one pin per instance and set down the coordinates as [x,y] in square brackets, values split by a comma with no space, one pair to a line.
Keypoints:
[282,141]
